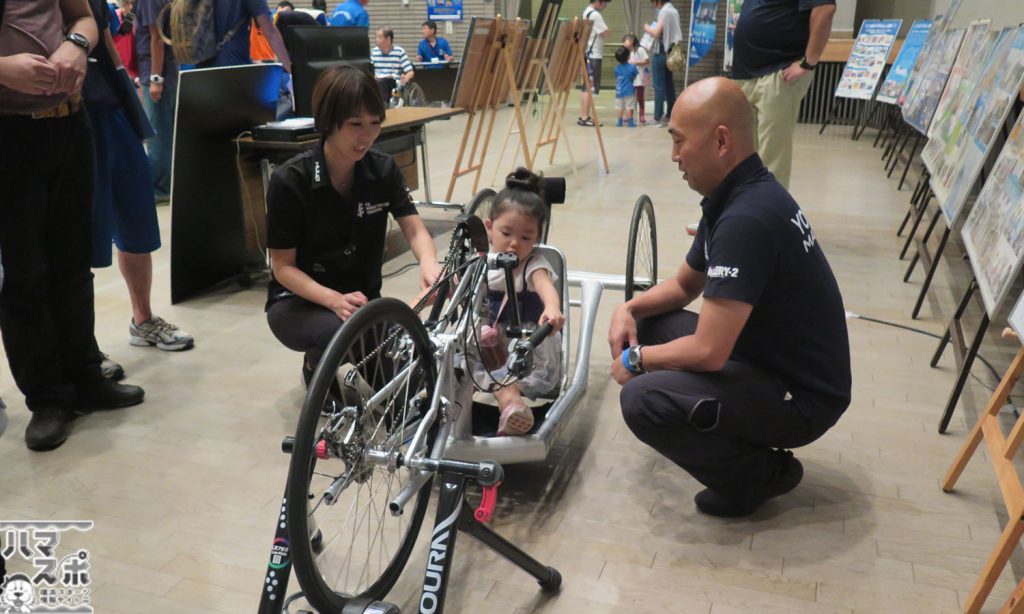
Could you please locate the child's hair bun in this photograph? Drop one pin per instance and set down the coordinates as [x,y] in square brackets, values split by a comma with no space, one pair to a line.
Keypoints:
[523,179]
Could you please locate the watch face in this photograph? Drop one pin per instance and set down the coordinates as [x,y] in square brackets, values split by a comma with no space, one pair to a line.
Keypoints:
[633,356]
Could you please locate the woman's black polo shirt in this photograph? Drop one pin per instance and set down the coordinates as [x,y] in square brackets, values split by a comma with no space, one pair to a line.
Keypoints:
[755,245]
[339,240]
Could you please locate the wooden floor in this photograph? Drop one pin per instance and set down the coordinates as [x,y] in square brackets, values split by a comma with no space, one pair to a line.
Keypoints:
[184,489]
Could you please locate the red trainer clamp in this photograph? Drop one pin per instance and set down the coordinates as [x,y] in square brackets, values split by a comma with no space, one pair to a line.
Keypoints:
[485,512]
[321,450]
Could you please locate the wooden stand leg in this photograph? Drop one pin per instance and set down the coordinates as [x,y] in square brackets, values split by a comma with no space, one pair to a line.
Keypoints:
[922,245]
[913,229]
[910,162]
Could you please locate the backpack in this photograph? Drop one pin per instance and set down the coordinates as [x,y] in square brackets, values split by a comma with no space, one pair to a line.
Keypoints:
[188,27]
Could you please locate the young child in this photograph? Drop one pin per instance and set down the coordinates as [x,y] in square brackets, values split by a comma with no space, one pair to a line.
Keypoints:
[517,216]
[638,57]
[625,75]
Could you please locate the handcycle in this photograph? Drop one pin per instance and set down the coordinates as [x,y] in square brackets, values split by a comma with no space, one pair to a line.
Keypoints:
[390,406]
[407,95]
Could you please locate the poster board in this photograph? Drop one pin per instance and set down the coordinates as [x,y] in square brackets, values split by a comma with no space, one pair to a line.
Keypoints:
[944,130]
[867,58]
[938,30]
[975,129]
[897,77]
[994,231]
[444,10]
[1016,320]
[732,13]
[919,106]
[978,44]
[480,63]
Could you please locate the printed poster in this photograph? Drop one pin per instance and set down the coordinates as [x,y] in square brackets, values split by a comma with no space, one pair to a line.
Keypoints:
[702,28]
[732,13]
[979,43]
[899,73]
[994,231]
[968,135]
[920,103]
[867,58]
[444,10]
[939,29]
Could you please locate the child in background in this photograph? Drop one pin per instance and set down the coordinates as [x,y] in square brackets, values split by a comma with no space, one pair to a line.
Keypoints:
[625,75]
[515,223]
[638,57]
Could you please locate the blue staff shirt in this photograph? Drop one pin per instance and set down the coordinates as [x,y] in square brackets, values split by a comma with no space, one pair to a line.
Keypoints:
[350,13]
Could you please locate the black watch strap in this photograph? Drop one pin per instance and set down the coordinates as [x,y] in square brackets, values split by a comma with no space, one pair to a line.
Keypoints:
[78,39]
[807,65]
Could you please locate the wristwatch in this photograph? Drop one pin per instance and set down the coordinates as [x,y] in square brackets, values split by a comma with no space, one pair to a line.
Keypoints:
[78,39]
[632,360]
[807,65]
[156,79]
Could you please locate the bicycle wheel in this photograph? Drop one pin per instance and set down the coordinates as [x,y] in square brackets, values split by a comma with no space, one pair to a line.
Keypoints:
[480,206]
[642,255]
[345,541]
[413,95]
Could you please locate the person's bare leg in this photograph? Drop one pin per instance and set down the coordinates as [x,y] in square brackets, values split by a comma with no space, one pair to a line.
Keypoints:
[137,270]
[585,102]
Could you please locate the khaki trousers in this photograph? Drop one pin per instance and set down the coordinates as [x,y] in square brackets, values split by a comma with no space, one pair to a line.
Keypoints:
[776,107]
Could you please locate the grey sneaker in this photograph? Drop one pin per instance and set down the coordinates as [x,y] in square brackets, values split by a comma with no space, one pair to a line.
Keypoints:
[161,333]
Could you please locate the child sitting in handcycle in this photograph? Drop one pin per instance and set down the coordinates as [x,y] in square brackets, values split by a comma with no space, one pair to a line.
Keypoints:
[515,224]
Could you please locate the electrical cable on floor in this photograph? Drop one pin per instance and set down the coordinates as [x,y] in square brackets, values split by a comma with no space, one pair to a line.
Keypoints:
[400,270]
[921,331]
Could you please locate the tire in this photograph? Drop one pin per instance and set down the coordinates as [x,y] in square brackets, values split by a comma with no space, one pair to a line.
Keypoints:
[642,255]
[480,206]
[358,548]
[413,95]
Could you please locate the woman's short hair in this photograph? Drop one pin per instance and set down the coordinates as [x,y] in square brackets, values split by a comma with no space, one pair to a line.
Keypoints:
[342,92]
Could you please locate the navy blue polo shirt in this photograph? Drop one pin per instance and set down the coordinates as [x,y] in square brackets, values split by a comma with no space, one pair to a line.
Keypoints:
[339,239]
[755,245]
[770,35]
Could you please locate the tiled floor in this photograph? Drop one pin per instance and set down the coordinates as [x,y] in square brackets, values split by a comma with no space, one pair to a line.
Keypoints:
[184,489]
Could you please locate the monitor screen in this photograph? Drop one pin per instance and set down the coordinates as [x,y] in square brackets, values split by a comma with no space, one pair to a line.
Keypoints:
[313,49]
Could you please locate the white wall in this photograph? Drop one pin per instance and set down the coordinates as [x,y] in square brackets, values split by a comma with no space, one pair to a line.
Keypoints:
[843,22]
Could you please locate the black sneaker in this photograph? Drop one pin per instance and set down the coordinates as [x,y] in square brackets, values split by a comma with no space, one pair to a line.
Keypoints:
[48,428]
[102,393]
[714,504]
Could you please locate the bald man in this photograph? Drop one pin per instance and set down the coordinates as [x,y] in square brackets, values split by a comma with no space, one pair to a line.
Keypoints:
[766,364]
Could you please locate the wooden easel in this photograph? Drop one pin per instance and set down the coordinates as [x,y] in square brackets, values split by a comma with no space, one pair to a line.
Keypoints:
[1001,451]
[567,61]
[488,82]
[531,69]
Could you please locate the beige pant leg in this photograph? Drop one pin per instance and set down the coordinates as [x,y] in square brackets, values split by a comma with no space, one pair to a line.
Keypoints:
[777,107]
[749,87]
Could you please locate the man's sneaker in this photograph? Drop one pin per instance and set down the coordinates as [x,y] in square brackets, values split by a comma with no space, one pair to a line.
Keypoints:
[111,370]
[99,393]
[790,473]
[161,333]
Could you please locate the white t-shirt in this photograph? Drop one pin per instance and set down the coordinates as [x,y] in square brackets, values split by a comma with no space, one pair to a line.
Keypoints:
[671,31]
[595,44]
[639,55]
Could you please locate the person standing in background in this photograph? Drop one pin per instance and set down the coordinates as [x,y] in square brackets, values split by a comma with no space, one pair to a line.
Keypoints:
[592,56]
[777,45]
[351,13]
[124,210]
[667,33]
[158,77]
[47,314]
[232,20]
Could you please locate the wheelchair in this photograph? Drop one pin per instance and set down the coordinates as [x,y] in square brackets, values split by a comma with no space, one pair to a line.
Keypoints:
[391,407]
